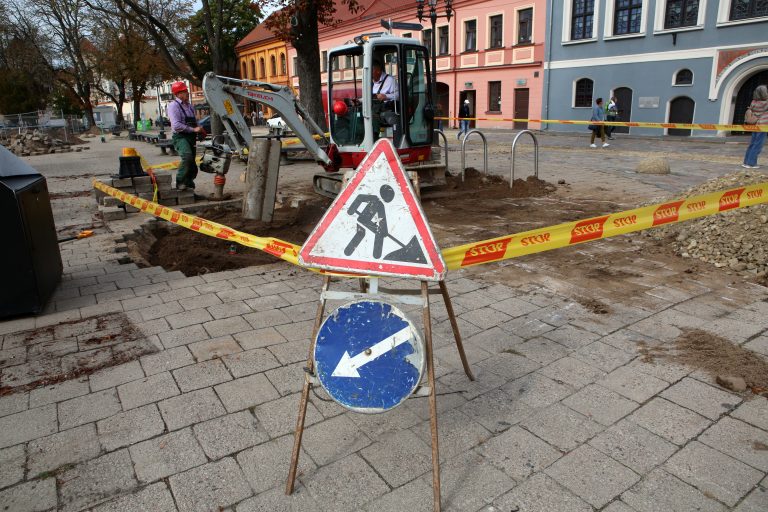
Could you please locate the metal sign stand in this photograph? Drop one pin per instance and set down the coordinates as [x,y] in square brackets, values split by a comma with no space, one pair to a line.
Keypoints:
[370,290]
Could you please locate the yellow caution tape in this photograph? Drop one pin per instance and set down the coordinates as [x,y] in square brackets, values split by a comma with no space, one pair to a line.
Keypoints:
[677,126]
[494,249]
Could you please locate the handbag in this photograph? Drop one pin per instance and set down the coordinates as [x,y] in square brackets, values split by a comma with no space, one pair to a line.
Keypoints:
[593,127]
[750,117]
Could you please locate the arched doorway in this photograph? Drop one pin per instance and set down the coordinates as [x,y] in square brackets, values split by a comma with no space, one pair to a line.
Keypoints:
[744,97]
[624,101]
[443,102]
[681,111]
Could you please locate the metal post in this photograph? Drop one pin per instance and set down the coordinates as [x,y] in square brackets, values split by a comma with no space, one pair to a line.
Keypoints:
[432,397]
[433,20]
[161,134]
[456,332]
[445,145]
[463,151]
[535,156]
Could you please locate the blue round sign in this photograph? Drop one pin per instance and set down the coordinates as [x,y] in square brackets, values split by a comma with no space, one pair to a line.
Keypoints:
[369,356]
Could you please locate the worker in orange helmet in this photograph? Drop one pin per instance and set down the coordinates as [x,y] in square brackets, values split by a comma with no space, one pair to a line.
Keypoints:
[184,126]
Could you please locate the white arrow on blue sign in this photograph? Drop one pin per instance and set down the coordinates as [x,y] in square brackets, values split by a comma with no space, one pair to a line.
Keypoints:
[369,356]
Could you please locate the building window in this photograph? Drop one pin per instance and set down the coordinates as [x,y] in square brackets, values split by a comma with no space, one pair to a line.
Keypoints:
[582,18]
[295,66]
[253,70]
[273,65]
[743,9]
[324,60]
[684,77]
[583,93]
[347,62]
[244,70]
[496,31]
[263,68]
[524,26]
[494,96]
[681,13]
[426,39]
[627,17]
[283,65]
[443,40]
[470,36]
[407,35]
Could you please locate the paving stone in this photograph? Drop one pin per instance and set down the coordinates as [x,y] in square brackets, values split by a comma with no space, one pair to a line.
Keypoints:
[215,287]
[633,384]
[571,337]
[302,312]
[626,339]
[230,309]
[509,366]
[275,500]
[473,300]
[398,457]
[526,327]
[755,501]
[497,410]
[266,303]
[27,425]
[58,392]
[225,326]
[485,318]
[562,427]
[603,356]
[266,318]
[11,404]
[592,476]
[67,447]
[236,295]
[669,420]
[573,372]
[266,465]
[518,453]
[702,398]
[130,427]
[279,416]
[246,392]
[217,347]
[95,481]
[178,337]
[537,390]
[333,439]
[155,497]
[259,338]
[250,361]
[470,482]
[363,484]
[145,391]
[715,474]
[210,487]
[664,370]
[13,356]
[539,494]
[732,329]
[633,446]
[287,379]
[32,496]
[494,340]
[190,408]
[376,425]
[759,345]
[296,330]
[514,307]
[116,375]
[291,352]
[415,496]
[12,465]
[600,404]
[662,491]
[739,440]
[166,455]
[201,375]
[230,434]
[189,317]
[166,360]
[199,301]
[754,412]
[541,350]
[458,433]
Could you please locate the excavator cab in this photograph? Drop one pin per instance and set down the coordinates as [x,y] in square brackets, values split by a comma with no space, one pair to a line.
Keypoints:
[358,113]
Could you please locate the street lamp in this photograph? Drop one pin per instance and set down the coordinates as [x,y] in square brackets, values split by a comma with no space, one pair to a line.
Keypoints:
[433,15]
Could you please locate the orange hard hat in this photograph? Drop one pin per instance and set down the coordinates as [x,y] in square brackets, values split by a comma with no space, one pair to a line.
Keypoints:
[340,108]
[177,87]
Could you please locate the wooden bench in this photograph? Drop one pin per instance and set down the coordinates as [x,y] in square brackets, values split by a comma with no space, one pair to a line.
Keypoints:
[166,145]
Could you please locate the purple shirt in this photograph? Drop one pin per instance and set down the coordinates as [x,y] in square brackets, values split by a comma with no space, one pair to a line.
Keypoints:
[177,111]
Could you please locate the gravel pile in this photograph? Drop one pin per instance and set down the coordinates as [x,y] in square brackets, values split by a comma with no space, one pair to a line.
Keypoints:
[35,142]
[736,239]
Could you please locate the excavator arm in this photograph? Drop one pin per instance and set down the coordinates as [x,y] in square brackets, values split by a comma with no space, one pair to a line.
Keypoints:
[219,92]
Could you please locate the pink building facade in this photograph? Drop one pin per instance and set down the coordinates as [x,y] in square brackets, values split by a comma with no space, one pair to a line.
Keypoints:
[491,52]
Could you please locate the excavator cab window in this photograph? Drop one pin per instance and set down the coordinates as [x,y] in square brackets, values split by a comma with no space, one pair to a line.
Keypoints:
[345,107]
[417,107]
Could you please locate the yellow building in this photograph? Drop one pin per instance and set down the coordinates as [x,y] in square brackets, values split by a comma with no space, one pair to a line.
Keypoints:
[262,56]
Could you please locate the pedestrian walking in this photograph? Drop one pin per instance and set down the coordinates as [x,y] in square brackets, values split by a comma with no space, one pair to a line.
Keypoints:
[464,113]
[254,117]
[598,114]
[261,117]
[757,113]
[612,114]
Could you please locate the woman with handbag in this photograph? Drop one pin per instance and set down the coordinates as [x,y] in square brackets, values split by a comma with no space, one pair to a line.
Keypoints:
[757,114]
[598,114]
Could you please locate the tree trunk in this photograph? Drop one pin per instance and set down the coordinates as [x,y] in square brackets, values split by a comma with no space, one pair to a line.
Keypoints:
[305,40]
[85,96]
[136,108]
[119,103]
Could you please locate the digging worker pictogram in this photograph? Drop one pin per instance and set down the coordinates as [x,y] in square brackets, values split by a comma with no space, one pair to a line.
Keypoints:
[373,217]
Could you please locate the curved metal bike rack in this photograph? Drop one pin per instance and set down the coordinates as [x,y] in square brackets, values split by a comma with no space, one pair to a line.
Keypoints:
[463,151]
[535,156]
[445,146]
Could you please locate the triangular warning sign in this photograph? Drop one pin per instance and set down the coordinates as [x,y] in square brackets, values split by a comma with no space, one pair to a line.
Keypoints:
[376,225]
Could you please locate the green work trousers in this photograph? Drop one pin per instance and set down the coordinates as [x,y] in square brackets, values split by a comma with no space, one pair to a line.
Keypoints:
[184,144]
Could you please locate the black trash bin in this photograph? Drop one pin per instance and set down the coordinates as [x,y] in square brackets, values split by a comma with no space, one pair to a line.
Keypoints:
[30,260]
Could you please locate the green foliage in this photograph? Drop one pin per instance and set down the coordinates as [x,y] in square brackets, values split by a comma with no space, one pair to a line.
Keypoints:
[19,94]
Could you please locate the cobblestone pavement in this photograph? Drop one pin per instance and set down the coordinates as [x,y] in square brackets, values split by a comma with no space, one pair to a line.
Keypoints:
[141,389]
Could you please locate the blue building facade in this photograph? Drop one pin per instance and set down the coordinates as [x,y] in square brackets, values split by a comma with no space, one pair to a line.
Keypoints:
[687,61]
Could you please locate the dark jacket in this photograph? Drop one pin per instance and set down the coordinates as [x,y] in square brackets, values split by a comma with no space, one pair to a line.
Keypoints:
[464,110]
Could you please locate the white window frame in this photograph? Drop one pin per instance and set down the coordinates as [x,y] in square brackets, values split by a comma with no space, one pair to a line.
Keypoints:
[517,23]
[567,12]
[488,30]
[573,91]
[464,35]
[661,9]
[610,11]
[437,39]
[724,11]
[674,78]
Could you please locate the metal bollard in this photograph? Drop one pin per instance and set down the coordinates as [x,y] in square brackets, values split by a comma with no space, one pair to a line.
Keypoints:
[463,152]
[445,147]
[535,156]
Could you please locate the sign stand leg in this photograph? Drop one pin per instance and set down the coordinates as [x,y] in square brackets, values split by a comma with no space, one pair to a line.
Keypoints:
[432,397]
[456,332]
[305,392]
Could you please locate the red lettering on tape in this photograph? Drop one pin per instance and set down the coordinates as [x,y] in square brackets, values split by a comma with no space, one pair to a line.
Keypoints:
[666,213]
[196,223]
[535,239]
[484,252]
[175,217]
[590,229]
[754,194]
[225,233]
[696,206]
[731,199]
[277,248]
[629,220]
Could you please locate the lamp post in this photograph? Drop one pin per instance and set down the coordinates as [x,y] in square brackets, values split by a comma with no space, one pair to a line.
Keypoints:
[433,15]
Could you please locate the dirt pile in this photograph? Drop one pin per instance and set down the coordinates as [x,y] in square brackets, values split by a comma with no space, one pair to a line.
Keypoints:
[734,239]
[36,142]
[493,186]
